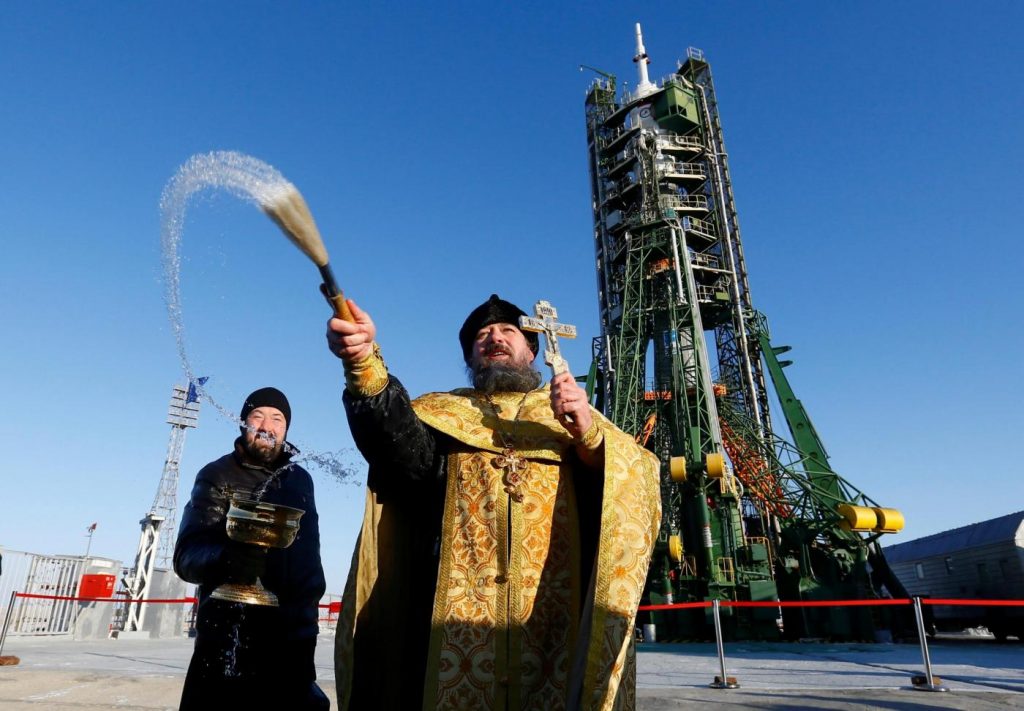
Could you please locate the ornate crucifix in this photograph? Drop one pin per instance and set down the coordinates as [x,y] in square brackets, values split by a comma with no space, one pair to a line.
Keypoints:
[545,321]
[514,467]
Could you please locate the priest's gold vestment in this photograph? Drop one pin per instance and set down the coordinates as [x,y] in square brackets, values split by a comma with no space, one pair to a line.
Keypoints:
[513,624]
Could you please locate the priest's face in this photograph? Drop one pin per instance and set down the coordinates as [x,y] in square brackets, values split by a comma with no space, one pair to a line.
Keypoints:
[502,360]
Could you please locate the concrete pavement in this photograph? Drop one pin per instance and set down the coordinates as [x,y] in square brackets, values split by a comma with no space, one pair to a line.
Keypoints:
[61,674]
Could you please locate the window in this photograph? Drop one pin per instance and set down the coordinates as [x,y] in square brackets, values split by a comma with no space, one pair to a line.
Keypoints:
[919,569]
[949,565]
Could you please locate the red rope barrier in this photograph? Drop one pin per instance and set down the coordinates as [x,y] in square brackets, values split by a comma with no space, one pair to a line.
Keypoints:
[190,600]
[675,606]
[815,603]
[972,603]
[834,603]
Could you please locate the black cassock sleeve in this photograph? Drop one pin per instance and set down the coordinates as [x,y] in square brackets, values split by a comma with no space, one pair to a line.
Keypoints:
[407,461]
[399,448]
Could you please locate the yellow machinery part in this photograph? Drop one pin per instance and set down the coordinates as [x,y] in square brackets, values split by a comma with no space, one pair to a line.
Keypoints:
[675,548]
[889,520]
[677,468]
[715,464]
[858,518]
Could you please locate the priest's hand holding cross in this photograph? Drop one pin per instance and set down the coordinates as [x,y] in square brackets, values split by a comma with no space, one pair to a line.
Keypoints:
[568,400]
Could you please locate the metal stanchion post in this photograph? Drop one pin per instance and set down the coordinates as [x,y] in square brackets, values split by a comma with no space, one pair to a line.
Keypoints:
[927,682]
[723,681]
[7,620]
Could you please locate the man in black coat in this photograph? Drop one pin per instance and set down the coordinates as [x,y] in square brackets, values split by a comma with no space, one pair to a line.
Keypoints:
[253,656]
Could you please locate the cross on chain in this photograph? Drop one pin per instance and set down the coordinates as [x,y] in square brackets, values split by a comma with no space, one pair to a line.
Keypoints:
[513,465]
[545,321]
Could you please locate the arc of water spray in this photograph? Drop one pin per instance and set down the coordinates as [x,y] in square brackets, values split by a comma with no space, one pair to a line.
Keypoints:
[255,181]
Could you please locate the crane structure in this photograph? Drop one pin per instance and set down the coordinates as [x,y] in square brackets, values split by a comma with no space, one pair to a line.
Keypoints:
[684,363]
[156,543]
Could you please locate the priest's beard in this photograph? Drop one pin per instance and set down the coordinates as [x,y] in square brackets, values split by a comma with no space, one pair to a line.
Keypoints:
[505,377]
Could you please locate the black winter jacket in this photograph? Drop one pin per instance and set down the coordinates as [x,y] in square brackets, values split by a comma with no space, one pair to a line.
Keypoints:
[295,574]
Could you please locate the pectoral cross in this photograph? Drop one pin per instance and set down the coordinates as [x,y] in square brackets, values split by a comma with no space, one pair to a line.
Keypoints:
[545,321]
[513,465]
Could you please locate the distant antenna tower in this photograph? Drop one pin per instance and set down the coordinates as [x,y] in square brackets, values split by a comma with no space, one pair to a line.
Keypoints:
[182,414]
[156,544]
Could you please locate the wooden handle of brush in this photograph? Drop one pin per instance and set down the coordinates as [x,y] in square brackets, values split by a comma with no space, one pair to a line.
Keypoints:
[338,303]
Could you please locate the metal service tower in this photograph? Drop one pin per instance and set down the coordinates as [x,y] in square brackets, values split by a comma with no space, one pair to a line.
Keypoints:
[682,361]
[156,543]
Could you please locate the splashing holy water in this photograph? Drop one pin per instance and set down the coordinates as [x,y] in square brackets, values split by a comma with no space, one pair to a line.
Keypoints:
[251,180]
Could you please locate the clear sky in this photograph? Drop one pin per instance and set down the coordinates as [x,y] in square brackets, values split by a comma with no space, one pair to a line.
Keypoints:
[876,155]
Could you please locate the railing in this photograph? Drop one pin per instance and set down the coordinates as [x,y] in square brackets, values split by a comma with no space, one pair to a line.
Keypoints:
[750,541]
[328,612]
[612,137]
[683,202]
[48,575]
[703,259]
[689,143]
[727,569]
[625,156]
[614,188]
[922,682]
[628,97]
[697,226]
[71,599]
[681,168]
[707,293]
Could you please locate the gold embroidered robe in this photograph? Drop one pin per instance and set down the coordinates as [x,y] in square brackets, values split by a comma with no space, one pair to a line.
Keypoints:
[513,626]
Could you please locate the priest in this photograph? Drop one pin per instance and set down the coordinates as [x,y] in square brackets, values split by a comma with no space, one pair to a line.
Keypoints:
[506,537]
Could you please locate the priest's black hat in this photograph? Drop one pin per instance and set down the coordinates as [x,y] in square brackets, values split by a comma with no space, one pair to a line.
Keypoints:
[494,310]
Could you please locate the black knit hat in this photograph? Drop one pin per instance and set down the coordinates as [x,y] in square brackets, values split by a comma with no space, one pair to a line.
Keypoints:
[268,397]
[494,310]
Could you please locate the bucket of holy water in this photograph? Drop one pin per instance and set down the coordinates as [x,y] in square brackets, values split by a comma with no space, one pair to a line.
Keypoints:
[258,523]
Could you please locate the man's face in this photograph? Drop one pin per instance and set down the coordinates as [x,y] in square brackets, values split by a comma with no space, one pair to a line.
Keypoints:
[501,344]
[265,429]
[501,360]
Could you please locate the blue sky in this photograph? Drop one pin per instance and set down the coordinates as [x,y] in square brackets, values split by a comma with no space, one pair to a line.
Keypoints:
[875,152]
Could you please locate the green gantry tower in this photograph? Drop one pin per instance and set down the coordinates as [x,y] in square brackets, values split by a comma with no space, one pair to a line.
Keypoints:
[681,364]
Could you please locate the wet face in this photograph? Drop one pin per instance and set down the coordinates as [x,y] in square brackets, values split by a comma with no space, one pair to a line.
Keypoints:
[502,360]
[265,430]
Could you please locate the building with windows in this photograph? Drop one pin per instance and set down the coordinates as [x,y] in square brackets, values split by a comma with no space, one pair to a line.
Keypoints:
[984,560]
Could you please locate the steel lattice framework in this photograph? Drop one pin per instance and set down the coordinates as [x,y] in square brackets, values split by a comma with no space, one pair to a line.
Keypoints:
[746,515]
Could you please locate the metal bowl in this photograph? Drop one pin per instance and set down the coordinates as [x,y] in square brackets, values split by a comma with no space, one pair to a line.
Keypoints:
[262,524]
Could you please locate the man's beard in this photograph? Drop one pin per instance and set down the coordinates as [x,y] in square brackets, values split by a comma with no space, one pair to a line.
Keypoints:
[258,451]
[505,377]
